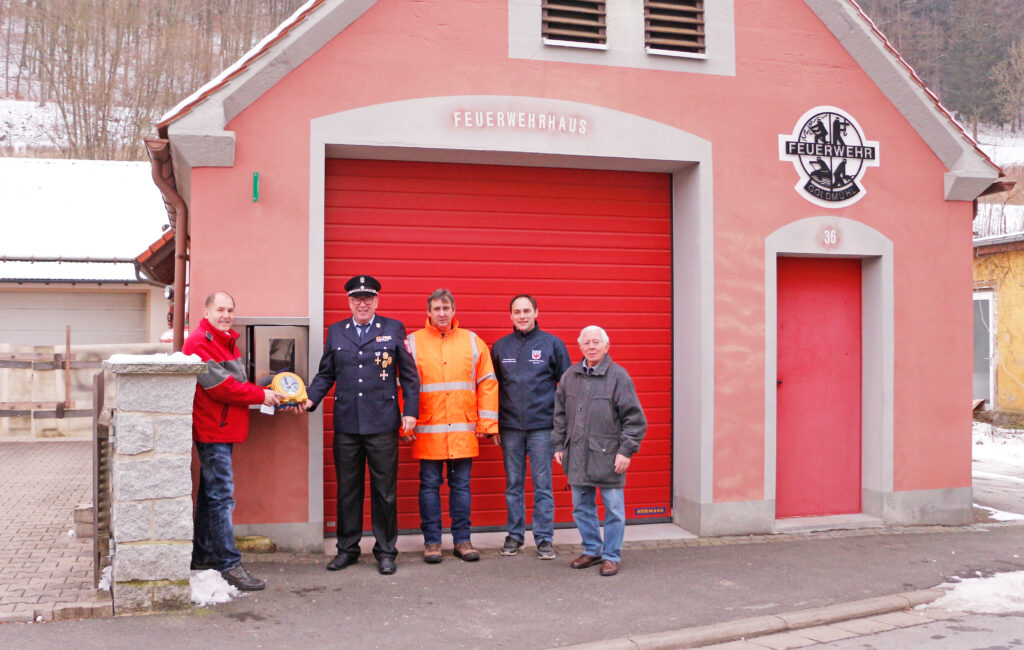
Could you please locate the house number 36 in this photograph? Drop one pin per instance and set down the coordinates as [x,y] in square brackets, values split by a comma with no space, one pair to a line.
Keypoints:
[830,237]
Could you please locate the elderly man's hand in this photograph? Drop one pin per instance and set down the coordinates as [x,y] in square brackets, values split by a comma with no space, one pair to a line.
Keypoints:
[558,457]
[621,463]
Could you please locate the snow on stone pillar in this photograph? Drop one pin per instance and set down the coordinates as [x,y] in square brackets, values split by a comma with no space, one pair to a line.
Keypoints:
[151,499]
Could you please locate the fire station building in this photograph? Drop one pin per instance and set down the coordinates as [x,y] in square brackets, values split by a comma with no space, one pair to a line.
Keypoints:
[766,210]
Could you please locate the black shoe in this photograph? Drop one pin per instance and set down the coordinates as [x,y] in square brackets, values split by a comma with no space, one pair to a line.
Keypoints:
[242,580]
[546,550]
[386,566]
[511,546]
[202,566]
[342,560]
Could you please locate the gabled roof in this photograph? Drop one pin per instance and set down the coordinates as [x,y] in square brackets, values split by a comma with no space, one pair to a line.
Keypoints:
[196,126]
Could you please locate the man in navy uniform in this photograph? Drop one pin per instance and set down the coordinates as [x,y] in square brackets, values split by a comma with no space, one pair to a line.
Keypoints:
[365,354]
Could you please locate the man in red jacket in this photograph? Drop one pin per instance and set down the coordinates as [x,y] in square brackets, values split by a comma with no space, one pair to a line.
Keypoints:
[220,418]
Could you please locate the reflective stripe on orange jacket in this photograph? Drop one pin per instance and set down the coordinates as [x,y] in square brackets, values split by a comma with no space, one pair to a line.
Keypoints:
[458,393]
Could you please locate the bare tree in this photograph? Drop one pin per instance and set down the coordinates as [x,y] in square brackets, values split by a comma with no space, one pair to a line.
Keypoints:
[110,68]
[1009,79]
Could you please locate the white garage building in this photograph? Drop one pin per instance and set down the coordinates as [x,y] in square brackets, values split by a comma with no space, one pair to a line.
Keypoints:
[100,211]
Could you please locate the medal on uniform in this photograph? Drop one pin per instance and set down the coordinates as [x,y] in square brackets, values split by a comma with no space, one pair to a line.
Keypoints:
[385,361]
[291,386]
[377,359]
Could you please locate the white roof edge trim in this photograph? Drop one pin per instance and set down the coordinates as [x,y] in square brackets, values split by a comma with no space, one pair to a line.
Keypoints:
[245,59]
[954,147]
[311,27]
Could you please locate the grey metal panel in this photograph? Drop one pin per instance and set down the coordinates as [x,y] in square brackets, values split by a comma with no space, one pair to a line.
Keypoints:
[40,317]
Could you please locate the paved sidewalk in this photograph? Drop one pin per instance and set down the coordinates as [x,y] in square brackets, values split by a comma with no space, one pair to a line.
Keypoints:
[45,573]
[666,588]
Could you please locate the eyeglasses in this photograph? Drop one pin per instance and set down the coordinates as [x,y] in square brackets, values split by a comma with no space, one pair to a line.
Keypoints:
[362,301]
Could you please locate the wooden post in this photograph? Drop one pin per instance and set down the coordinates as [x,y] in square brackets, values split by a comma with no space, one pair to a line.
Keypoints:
[67,368]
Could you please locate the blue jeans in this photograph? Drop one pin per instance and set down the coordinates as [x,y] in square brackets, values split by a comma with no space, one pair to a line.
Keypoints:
[584,512]
[515,447]
[459,500]
[214,535]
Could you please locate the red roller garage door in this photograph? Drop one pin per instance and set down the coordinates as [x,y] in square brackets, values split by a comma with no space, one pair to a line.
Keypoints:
[594,247]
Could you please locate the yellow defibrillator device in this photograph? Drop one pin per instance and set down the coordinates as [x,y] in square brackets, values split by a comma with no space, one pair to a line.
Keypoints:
[291,386]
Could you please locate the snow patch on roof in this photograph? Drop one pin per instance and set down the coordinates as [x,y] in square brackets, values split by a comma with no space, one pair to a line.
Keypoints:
[66,271]
[77,209]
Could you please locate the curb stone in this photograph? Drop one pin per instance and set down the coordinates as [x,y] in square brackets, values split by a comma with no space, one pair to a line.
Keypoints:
[747,628]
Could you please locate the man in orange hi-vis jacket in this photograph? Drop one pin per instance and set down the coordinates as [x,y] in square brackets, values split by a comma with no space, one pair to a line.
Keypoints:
[458,404]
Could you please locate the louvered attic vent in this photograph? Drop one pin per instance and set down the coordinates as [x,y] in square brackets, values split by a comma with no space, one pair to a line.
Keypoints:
[574,22]
[674,27]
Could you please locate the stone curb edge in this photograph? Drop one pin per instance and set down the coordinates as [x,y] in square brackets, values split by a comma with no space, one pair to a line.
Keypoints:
[747,628]
[90,604]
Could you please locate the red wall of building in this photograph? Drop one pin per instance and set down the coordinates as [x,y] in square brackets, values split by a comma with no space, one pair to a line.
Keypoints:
[786,62]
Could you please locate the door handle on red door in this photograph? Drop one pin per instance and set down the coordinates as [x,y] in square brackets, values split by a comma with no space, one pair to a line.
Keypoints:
[778,382]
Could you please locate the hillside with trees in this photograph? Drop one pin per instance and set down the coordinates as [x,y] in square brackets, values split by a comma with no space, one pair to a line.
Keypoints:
[968,52]
[107,69]
[97,74]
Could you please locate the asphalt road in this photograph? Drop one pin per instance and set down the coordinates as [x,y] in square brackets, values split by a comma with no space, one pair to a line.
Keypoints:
[996,485]
[522,602]
[999,486]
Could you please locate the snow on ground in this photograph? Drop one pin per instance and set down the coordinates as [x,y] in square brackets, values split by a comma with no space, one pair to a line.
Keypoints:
[105,579]
[995,219]
[996,444]
[1003,146]
[26,124]
[1002,593]
[997,515]
[210,588]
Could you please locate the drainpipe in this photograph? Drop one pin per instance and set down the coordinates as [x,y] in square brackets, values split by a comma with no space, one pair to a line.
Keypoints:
[159,150]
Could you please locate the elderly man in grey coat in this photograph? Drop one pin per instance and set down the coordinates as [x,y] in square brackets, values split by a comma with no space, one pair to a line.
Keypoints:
[598,427]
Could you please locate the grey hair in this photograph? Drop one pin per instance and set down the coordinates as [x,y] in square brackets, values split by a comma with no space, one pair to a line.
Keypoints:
[593,328]
[441,294]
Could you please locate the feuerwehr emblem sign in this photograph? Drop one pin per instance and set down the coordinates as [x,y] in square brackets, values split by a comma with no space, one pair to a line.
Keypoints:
[829,152]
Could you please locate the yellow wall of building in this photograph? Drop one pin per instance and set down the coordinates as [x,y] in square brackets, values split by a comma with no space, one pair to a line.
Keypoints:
[1004,274]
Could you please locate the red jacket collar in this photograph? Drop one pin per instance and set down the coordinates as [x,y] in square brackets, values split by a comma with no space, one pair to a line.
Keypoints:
[213,334]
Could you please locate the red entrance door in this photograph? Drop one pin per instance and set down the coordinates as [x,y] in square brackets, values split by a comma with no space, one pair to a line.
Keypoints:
[818,445]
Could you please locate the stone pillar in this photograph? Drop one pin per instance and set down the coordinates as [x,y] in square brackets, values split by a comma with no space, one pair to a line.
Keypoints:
[151,499]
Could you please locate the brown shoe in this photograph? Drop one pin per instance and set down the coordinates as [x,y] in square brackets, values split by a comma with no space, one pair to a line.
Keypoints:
[432,553]
[583,561]
[609,568]
[466,551]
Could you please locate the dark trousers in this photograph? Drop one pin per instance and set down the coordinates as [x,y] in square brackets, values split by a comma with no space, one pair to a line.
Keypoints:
[214,535]
[460,500]
[352,454]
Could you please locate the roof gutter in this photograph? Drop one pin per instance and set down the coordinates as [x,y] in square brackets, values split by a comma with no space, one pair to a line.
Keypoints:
[159,151]
[1002,185]
[139,276]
